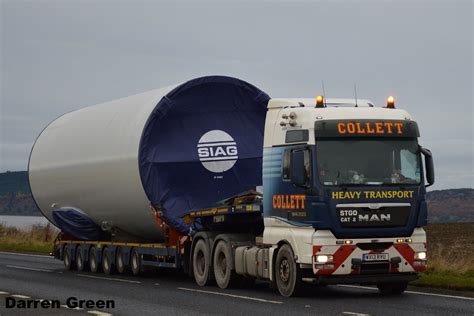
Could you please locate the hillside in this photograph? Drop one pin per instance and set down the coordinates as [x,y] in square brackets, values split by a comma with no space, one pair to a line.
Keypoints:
[445,206]
[450,206]
[14,181]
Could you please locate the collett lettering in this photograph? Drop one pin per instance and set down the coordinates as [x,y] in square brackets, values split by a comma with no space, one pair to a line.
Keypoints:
[289,201]
[370,128]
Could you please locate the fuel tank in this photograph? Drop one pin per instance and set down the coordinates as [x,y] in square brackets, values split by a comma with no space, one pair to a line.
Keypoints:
[177,148]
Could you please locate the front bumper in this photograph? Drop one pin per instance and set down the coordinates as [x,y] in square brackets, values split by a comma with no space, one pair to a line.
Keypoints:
[349,257]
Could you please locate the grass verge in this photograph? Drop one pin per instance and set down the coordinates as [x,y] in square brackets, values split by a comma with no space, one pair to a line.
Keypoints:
[451,280]
[37,239]
[450,257]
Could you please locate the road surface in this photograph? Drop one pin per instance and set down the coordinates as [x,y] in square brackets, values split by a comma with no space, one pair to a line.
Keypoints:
[28,277]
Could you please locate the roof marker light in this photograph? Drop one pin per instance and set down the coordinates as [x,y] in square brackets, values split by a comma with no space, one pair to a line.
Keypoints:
[390,102]
[319,101]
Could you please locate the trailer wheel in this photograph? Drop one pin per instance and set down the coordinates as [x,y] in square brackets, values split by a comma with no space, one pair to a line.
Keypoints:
[107,265]
[80,262]
[93,259]
[67,258]
[120,264]
[222,265]
[136,262]
[201,263]
[287,272]
[392,288]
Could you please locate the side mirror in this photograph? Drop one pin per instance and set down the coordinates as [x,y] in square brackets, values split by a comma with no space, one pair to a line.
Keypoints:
[429,167]
[297,173]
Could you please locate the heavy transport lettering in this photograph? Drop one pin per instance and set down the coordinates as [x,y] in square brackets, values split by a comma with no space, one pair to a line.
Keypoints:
[346,195]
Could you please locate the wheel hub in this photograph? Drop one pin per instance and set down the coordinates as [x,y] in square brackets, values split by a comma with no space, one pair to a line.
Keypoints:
[135,262]
[201,263]
[222,263]
[285,270]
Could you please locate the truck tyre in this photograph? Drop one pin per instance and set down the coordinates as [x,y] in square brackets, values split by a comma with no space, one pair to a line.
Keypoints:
[67,258]
[107,265]
[80,262]
[222,265]
[119,262]
[392,288]
[201,263]
[287,273]
[136,262]
[93,260]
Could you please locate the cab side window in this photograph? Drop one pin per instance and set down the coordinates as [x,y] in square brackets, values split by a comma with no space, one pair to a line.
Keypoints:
[286,165]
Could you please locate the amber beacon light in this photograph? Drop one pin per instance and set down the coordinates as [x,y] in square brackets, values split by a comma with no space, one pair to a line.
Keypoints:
[391,102]
[319,101]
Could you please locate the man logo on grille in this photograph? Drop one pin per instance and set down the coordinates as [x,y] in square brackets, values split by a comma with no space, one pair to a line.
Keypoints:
[217,151]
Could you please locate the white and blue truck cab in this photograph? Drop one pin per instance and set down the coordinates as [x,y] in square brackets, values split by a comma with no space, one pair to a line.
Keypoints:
[343,194]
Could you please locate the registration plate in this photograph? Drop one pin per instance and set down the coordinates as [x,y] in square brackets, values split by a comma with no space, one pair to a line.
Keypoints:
[375,257]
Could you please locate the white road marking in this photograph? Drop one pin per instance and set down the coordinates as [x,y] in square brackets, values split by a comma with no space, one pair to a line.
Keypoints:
[99,313]
[357,314]
[24,254]
[28,268]
[4,293]
[442,295]
[231,295]
[359,287]
[76,308]
[414,292]
[109,279]
[20,296]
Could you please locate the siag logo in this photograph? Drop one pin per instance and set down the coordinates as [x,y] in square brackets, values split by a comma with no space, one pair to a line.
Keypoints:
[217,151]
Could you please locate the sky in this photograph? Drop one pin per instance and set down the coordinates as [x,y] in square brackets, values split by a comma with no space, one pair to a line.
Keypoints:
[58,56]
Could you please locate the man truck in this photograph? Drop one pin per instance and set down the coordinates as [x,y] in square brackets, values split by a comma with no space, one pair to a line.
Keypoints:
[214,178]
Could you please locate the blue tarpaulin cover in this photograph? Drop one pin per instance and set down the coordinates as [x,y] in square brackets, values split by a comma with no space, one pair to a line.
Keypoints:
[76,223]
[203,143]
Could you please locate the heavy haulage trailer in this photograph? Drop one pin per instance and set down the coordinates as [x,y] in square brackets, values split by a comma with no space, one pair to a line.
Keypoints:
[214,178]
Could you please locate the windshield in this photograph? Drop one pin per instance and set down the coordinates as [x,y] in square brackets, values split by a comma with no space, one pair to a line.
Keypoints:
[368,161]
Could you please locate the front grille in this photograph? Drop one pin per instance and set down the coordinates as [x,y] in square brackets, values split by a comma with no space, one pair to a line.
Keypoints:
[365,217]
[374,268]
[377,246]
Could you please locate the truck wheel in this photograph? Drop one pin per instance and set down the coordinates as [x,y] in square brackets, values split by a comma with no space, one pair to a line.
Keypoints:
[121,266]
[80,262]
[392,288]
[201,263]
[93,260]
[136,262]
[107,265]
[287,272]
[67,258]
[222,265]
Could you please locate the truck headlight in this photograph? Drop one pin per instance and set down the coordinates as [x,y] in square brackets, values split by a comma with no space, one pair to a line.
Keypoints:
[420,255]
[324,258]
